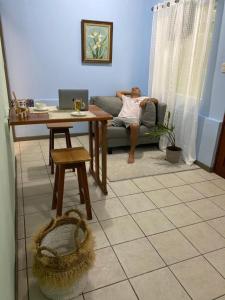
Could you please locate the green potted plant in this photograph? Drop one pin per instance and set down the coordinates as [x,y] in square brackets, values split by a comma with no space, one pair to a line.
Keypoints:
[173,153]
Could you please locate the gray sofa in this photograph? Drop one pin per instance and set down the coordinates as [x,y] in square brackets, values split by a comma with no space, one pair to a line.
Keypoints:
[119,136]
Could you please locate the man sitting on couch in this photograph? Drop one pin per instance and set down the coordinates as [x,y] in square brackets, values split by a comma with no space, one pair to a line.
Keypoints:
[129,115]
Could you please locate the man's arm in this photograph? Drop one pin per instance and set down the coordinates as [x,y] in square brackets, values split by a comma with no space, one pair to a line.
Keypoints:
[148,100]
[121,93]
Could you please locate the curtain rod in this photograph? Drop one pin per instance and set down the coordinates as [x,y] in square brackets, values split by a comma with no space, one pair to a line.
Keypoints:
[167,4]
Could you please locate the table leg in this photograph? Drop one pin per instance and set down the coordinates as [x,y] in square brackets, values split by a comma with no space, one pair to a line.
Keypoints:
[97,151]
[91,145]
[104,156]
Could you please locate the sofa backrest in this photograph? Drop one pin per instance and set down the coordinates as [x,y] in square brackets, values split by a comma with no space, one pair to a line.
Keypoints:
[113,105]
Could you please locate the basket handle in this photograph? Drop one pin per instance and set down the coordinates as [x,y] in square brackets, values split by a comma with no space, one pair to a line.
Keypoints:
[68,212]
[44,248]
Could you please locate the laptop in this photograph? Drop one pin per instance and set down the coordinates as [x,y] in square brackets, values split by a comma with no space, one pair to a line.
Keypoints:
[66,98]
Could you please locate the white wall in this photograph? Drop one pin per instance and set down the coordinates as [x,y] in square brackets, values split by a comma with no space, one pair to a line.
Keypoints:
[7,198]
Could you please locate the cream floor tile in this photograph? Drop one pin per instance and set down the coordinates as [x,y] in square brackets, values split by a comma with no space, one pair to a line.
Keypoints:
[106,270]
[199,279]
[37,188]
[148,183]
[219,200]
[159,285]
[180,215]
[207,175]
[190,176]
[123,188]
[137,203]
[217,259]
[152,222]
[108,209]
[30,157]
[22,285]
[206,209]
[162,198]
[20,209]
[20,228]
[220,183]
[35,221]
[37,204]
[121,229]
[170,180]
[96,194]
[29,253]
[21,254]
[208,189]
[203,237]
[99,236]
[173,246]
[35,177]
[82,209]
[138,257]
[119,291]
[186,193]
[219,225]
[34,290]
[34,166]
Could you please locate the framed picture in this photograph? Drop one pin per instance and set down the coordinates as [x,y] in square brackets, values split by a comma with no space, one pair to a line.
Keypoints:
[96,41]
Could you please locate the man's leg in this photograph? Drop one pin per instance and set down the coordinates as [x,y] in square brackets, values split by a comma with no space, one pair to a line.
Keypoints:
[134,128]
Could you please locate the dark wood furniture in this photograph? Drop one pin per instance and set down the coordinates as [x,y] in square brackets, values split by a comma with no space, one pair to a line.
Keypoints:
[99,117]
[57,128]
[68,159]
[219,167]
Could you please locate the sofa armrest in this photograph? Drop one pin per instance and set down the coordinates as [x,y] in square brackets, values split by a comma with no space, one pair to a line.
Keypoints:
[161,112]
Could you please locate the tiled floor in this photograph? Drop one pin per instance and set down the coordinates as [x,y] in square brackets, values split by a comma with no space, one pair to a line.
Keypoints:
[157,238]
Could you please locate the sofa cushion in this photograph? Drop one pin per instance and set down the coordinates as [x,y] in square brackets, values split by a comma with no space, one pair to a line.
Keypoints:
[111,105]
[148,115]
[122,132]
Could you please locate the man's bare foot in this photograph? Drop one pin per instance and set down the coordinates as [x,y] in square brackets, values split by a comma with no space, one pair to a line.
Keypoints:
[131,158]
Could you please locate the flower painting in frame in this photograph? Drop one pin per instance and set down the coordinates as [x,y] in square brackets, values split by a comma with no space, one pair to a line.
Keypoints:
[97,39]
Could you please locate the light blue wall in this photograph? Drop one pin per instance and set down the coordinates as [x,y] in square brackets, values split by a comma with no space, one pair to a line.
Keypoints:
[44,50]
[213,103]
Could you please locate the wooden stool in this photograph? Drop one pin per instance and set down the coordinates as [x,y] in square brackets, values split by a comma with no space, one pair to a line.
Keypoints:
[67,159]
[58,128]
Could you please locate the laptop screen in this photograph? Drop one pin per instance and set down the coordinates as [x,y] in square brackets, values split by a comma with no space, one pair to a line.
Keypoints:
[66,98]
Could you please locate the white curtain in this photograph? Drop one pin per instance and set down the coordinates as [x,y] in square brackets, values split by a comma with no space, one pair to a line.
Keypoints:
[180,46]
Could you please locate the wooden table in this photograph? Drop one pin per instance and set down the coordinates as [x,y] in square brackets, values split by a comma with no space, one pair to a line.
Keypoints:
[95,141]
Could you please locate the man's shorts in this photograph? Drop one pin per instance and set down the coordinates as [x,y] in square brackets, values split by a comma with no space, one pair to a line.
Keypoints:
[119,122]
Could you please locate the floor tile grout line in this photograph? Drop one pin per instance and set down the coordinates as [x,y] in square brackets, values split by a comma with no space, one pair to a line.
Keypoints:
[169,230]
[117,257]
[207,221]
[180,283]
[213,265]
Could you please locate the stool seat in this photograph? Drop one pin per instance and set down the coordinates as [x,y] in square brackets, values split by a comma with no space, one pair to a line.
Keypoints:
[70,156]
[66,159]
[59,125]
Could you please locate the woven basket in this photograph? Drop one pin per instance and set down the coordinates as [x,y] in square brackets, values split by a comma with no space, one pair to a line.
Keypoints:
[63,253]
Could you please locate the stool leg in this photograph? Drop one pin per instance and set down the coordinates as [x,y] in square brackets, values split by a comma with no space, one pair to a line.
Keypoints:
[68,141]
[86,192]
[80,182]
[55,190]
[60,190]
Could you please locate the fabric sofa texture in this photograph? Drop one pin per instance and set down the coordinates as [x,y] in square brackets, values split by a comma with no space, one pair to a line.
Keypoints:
[119,136]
